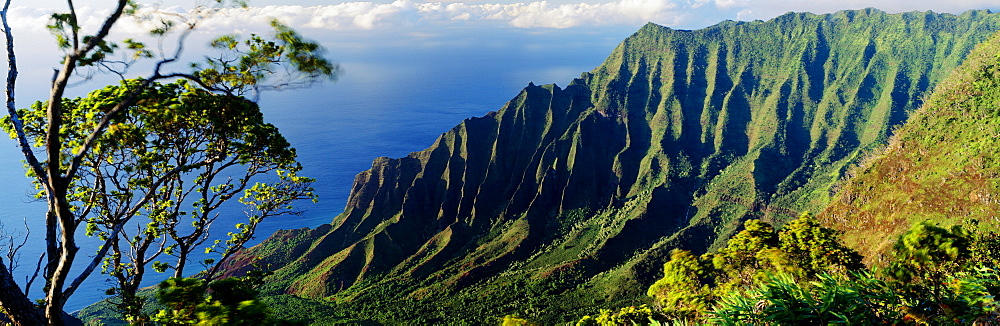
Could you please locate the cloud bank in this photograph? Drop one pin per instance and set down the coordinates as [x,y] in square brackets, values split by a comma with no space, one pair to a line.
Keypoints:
[403,13]
[349,16]
[400,13]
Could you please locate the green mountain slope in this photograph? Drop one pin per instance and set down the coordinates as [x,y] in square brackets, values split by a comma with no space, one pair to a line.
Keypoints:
[567,199]
[942,166]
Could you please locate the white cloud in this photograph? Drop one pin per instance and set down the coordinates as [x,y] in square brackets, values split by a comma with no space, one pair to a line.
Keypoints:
[368,15]
[727,4]
[695,4]
[744,14]
[400,13]
[538,14]
[766,9]
[543,14]
[345,16]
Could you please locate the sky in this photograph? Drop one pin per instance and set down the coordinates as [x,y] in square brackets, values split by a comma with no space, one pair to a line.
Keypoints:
[409,14]
[365,28]
[686,14]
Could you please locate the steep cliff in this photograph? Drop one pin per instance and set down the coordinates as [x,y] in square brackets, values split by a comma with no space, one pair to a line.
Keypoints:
[942,166]
[570,198]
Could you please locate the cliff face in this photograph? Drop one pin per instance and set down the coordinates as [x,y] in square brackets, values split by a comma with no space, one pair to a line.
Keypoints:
[942,166]
[670,143]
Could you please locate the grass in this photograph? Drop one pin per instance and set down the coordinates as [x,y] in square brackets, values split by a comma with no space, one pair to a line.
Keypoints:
[942,166]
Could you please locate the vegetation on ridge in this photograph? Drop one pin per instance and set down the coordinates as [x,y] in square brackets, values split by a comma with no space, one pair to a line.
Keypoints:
[568,199]
[942,166]
[936,276]
[801,272]
[940,270]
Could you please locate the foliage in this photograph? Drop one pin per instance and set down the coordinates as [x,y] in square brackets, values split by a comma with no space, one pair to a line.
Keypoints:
[182,297]
[127,151]
[684,292]
[511,320]
[930,281]
[173,159]
[691,285]
[674,140]
[742,253]
[941,166]
[246,62]
[309,311]
[927,254]
[229,301]
[781,300]
[985,247]
[642,315]
[933,267]
[815,249]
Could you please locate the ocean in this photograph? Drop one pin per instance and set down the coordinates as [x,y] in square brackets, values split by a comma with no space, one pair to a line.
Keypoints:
[397,94]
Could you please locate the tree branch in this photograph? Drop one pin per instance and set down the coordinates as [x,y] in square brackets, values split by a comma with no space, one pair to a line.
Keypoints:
[102,126]
[103,32]
[38,269]
[15,303]
[15,118]
[113,237]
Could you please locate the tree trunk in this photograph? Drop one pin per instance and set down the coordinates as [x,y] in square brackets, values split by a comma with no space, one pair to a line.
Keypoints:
[182,254]
[67,237]
[17,305]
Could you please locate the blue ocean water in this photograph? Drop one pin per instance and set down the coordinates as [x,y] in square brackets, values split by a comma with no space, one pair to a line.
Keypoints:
[397,94]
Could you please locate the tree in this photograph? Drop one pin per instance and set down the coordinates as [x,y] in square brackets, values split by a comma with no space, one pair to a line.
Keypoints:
[742,257]
[933,279]
[802,250]
[638,316]
[229,301]
[511,320]
[814,249]
[684,291]
[926,255]
[942,278]
[91,157]
[183,147]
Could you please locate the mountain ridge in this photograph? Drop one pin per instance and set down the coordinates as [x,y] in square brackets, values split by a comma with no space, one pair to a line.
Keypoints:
[940,167]
[580,192]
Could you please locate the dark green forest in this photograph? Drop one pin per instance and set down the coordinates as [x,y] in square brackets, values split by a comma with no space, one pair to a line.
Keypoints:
[941,269]
[809,169]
